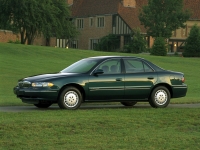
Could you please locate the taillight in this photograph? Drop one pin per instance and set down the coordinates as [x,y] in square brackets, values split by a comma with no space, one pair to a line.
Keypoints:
[183,79]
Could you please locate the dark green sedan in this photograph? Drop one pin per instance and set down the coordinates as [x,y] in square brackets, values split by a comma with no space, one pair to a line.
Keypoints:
[103,79]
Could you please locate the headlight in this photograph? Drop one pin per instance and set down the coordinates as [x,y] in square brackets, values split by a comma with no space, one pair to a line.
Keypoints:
[42,84]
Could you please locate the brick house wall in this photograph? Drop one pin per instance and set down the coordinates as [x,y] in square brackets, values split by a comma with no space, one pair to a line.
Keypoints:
[6,36]
[93,32]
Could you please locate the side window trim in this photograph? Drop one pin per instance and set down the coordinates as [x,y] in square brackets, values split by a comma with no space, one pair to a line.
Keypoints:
[100,65]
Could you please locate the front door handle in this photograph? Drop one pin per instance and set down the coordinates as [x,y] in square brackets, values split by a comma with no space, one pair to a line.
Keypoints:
[150,78]
[119,79]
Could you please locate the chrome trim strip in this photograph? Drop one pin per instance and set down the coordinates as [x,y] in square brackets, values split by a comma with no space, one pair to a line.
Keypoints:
[39,91]
[179,86]
[106,88]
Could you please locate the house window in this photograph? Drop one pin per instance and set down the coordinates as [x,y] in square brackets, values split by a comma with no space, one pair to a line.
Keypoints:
[114,20]
[94,43]
[100,22]
[73,44]
[91,22]
[174,33]
[184,32]
[79,23]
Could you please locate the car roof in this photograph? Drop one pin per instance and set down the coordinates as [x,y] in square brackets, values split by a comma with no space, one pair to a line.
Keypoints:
[105,57]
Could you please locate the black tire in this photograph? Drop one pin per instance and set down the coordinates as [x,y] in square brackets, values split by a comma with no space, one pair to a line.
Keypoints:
[70,98]
[43,105]
[128,103]
[160,97]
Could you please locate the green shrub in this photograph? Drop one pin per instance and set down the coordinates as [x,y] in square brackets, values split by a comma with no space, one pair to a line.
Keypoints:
[192,46]
[137,44]
[14,42]
[159,47]
[108,43]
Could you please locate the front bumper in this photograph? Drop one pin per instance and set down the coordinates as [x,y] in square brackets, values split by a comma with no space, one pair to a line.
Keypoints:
[36,95]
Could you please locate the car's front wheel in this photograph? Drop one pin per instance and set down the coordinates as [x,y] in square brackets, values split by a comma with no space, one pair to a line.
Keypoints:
[70,98]
[160,97]
[43,105]
[128,103]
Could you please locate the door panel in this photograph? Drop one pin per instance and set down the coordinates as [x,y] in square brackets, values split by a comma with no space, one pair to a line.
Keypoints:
[138,85]
[110,84]
[139,79]
[106,87]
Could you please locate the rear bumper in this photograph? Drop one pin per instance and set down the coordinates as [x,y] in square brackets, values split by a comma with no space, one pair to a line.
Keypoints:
[179,90]
[36,95]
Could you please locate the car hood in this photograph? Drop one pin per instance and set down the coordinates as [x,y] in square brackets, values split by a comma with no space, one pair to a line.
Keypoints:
[47,76]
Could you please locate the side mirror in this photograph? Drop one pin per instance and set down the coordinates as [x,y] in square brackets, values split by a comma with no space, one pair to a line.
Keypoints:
[98,71]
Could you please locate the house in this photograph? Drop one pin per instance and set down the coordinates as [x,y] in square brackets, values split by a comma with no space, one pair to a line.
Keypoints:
[98,18]
[179,36]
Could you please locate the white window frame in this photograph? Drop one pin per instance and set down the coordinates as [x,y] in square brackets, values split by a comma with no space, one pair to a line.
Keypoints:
[100,21]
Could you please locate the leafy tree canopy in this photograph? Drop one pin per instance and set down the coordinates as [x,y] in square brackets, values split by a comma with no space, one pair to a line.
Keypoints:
[161,17]
[31,18]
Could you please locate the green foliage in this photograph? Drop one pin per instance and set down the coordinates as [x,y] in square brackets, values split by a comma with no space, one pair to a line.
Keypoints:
[108,43]
[159,47]
[192,46]
[14,42]
[137,44]
[161,17]
[32,18]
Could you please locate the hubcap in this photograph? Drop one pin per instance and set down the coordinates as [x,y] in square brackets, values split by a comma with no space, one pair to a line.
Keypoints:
[161,97]
[71,99]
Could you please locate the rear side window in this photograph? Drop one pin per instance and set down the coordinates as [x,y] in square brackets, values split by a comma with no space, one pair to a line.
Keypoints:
[134,66]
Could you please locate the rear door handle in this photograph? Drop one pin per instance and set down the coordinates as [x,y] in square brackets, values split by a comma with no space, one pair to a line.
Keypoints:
[150,78]
[119,79]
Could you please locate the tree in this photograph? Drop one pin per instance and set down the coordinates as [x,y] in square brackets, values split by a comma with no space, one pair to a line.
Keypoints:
[138,43]
[31,18]
[108,43]
[159,47]
[161,17]
[192,46]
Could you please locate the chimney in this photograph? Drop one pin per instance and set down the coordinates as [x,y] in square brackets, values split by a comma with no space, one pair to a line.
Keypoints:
[69,2]
[129,3]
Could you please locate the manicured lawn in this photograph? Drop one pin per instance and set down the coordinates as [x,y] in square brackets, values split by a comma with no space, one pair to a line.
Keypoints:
[104,128]
[128,129]
[18,61]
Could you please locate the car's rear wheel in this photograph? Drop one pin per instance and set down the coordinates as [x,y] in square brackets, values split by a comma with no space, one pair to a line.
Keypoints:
[70,98]
[160,97]
[43,105]
[128,103]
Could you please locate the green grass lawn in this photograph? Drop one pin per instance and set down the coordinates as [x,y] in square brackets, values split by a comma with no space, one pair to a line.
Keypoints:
[105,128]
[18,61]
[118,128]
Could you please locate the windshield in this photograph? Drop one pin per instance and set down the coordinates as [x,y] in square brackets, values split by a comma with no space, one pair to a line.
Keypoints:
[82,66]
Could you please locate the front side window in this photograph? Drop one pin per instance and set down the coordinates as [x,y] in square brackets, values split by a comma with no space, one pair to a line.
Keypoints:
[134,66]
[112,66]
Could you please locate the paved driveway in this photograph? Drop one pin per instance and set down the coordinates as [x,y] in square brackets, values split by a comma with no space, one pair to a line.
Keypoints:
[90,106]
